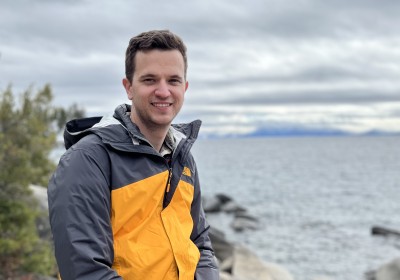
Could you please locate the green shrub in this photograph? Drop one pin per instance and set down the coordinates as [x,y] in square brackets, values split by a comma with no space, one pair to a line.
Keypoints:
[28,129]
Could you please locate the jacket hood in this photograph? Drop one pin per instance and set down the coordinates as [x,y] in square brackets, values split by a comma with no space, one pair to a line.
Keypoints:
[119,131]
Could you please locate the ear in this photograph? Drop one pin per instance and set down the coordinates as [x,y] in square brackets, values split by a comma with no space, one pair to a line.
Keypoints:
[186,85]
[128,88]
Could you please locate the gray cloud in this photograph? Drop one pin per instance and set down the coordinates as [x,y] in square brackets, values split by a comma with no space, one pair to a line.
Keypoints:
[258,53]
[316,97]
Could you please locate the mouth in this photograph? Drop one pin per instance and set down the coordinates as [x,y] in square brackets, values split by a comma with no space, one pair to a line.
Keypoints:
[161,104]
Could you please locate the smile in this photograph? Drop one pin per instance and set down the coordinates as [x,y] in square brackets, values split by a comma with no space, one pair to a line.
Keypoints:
[161,104]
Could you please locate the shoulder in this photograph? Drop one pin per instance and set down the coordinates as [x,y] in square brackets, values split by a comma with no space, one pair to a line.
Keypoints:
[88,149]
[91,143]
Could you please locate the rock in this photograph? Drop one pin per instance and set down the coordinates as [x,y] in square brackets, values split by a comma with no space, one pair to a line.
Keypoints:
[389,271]
[240,224]
[377,230]
[245,215]
[211,204]
[248,266]
[225,276]
[223,198]
[223,249]
[370,275]
[42,222]
[232,207]
[40,193]
[221,202]
[227,265]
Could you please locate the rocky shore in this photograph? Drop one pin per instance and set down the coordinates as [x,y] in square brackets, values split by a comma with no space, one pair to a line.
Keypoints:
[239,263]
[236,261]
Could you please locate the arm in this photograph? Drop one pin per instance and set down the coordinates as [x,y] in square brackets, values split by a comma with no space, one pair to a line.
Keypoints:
[79,209]
[207,268]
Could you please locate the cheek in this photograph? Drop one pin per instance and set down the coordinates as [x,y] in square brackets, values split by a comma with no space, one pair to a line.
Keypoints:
[182,99]
[180,104]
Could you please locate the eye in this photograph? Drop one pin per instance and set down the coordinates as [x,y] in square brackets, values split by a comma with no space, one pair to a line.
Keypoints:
[175,81]
[148,81]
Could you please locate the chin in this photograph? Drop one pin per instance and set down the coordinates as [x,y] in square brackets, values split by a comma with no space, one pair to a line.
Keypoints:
[163,122]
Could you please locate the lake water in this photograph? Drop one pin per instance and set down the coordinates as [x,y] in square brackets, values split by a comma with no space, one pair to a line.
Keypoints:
[316,198]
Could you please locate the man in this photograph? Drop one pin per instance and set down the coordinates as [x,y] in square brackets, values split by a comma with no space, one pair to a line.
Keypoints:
[125,200]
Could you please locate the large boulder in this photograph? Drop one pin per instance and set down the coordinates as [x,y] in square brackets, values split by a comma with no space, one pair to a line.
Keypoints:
[245,265]
[222,247]
[236,262]
[389,271]
[248,266]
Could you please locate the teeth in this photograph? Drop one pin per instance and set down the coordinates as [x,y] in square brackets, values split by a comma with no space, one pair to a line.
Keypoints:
[161,104]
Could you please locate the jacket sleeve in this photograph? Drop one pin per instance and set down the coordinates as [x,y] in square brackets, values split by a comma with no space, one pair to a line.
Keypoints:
[207,268]
[79,210]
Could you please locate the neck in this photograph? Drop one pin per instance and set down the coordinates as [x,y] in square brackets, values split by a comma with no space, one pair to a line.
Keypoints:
[155,135]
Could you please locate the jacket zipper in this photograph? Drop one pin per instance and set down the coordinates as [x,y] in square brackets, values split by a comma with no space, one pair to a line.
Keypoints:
[169,180]
[168,185]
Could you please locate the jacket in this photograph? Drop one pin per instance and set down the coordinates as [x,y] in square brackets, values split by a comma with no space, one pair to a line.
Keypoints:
[120,210]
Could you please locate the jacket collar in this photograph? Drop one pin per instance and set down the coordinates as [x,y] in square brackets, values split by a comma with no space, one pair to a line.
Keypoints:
[120,132]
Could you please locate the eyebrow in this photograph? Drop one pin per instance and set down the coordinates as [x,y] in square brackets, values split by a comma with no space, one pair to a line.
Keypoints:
[147,76]
[177,77]
[154,76]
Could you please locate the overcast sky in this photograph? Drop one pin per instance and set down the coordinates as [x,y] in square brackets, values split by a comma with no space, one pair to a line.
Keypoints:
[265,64]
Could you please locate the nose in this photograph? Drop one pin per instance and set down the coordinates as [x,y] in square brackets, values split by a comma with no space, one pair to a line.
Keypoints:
[162,90]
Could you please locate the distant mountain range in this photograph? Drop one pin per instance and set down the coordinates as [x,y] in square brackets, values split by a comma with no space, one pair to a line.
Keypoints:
[295,131]
[301,131]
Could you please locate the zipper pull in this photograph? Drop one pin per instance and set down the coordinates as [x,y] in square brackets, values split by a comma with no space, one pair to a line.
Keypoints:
[169,180]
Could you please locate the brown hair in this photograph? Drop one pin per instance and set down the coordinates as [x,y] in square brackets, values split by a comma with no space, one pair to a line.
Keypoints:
[146,41]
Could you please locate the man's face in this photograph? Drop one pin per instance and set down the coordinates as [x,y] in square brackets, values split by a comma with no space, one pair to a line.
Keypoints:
[157,88]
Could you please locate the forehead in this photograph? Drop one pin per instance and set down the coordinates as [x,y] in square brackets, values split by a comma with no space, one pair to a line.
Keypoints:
[155,61]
